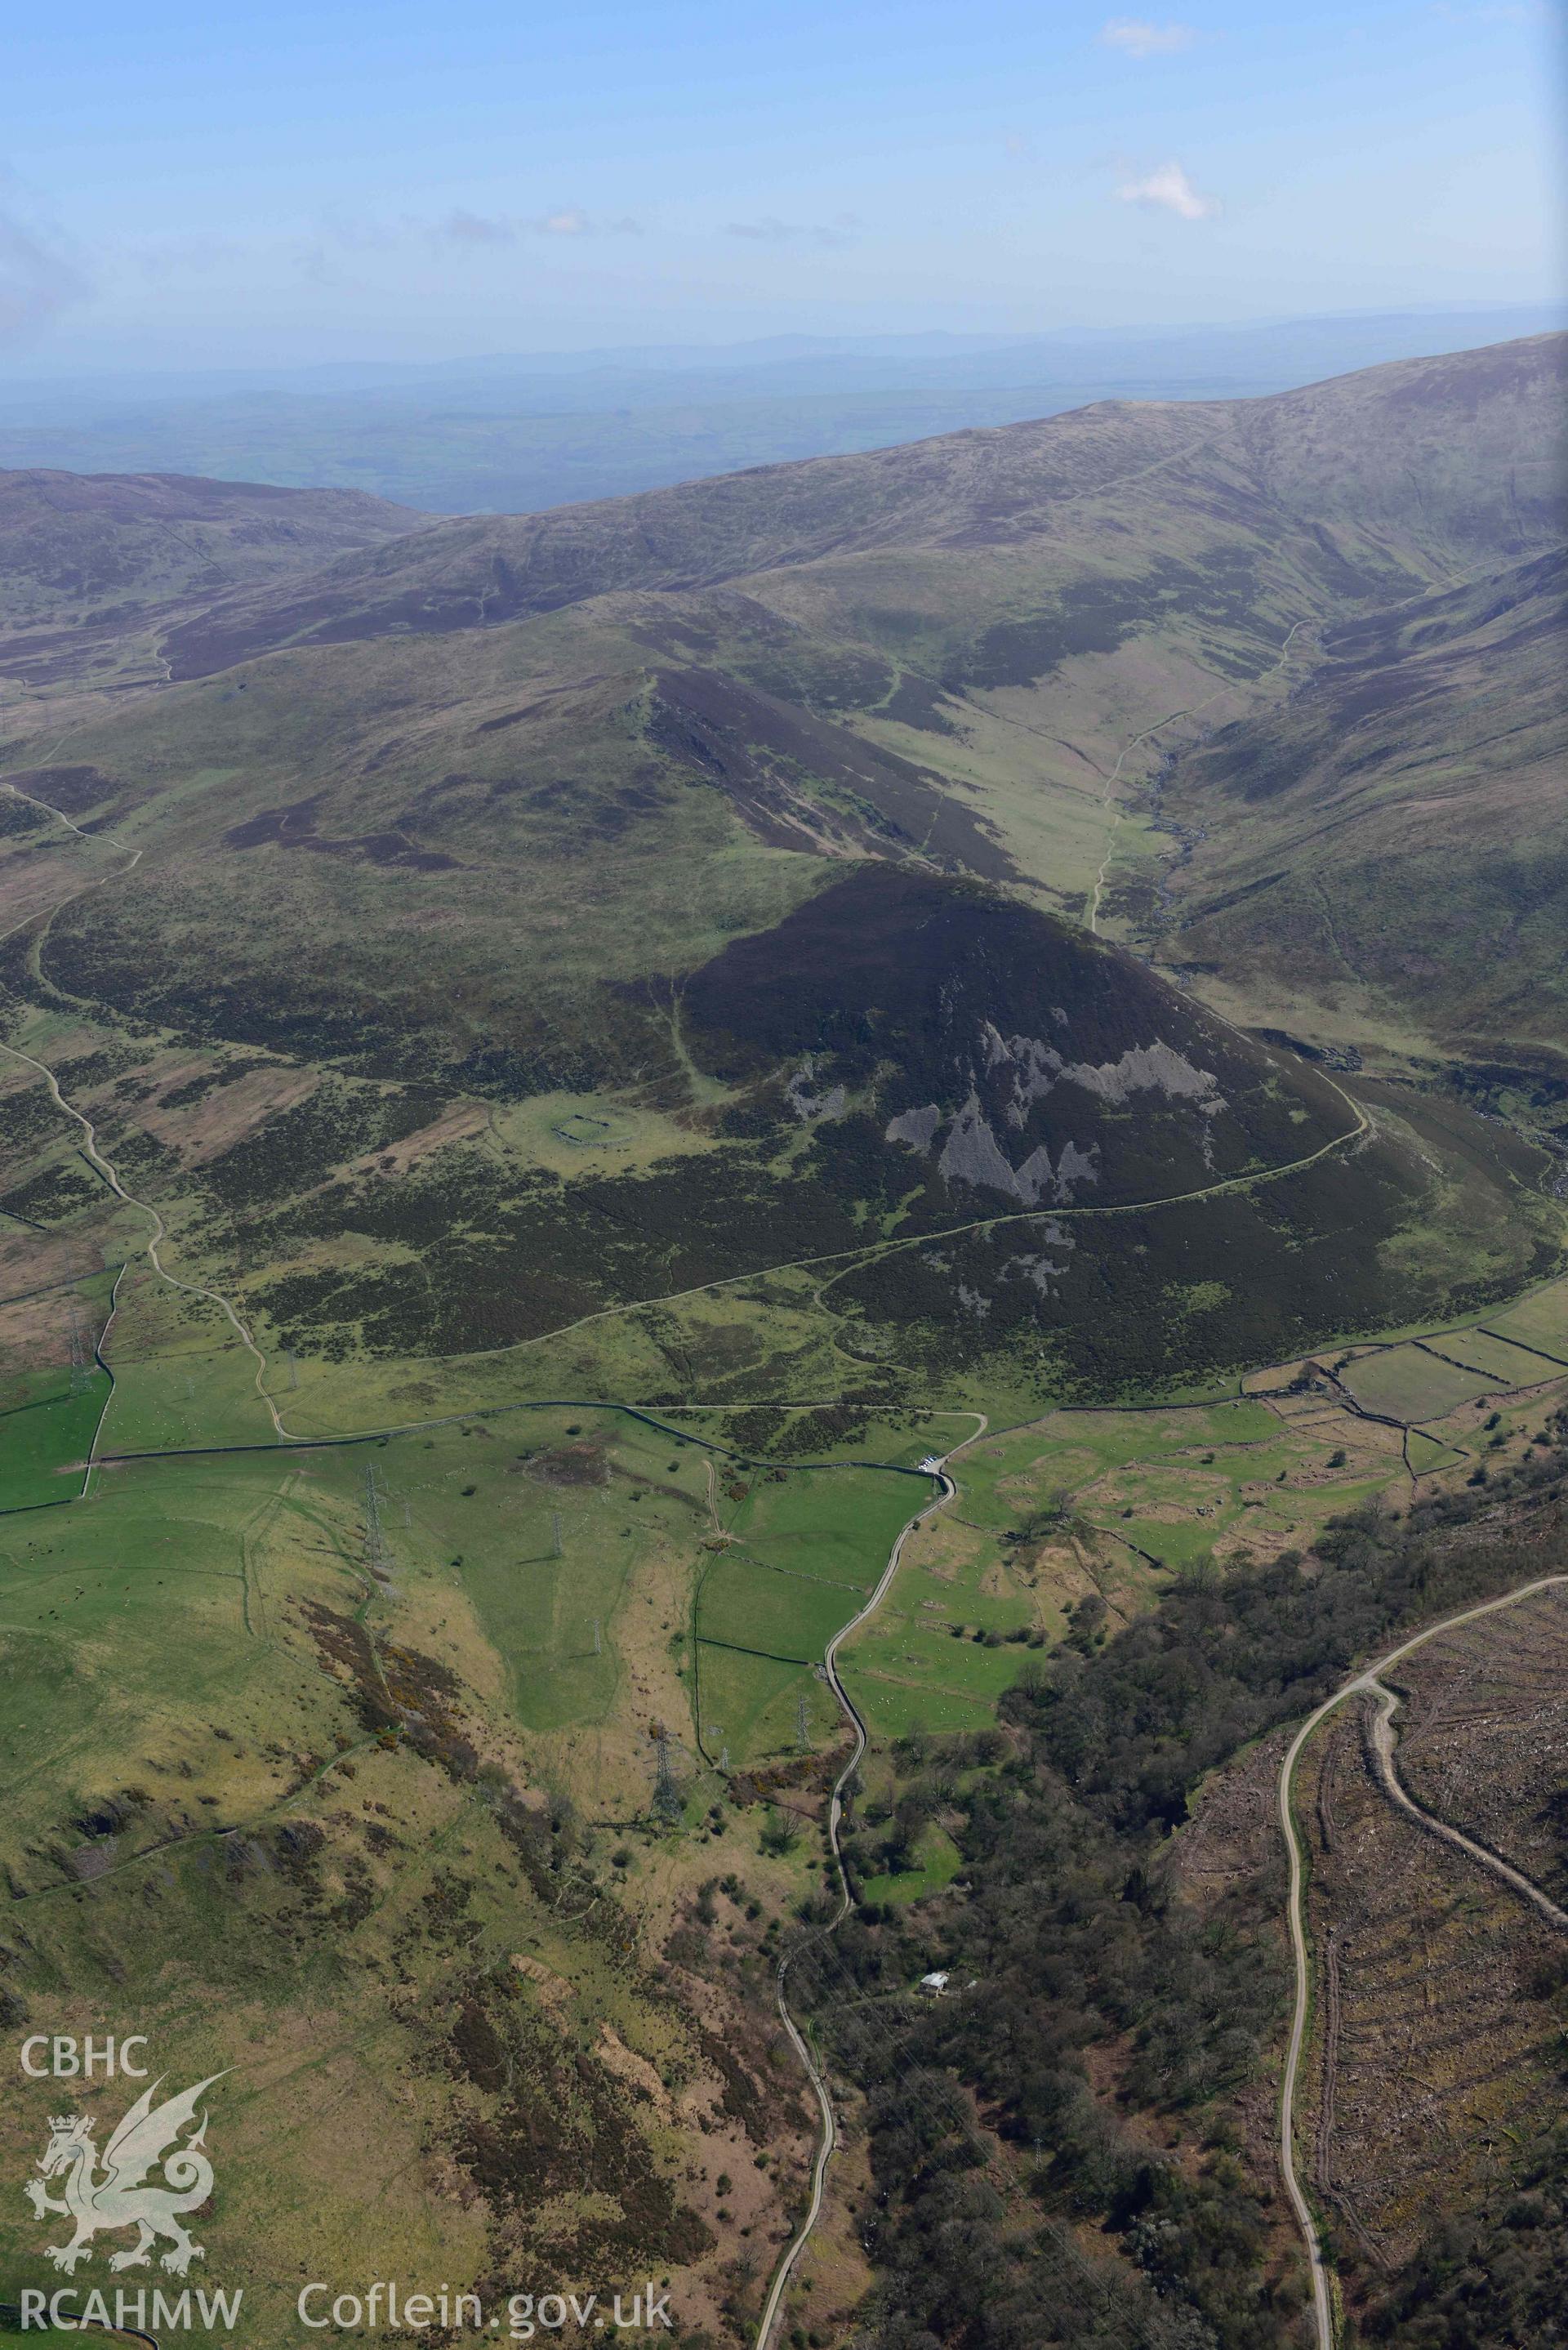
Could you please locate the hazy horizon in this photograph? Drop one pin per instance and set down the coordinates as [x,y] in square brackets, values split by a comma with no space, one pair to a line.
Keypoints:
[514,433]
[27,371]
[328,188]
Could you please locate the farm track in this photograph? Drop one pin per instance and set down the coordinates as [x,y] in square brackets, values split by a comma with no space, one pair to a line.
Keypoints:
[829,2141]
[159,1234]
[158,1231]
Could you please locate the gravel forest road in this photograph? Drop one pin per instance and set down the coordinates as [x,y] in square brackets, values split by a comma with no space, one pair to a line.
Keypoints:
[1367,1680]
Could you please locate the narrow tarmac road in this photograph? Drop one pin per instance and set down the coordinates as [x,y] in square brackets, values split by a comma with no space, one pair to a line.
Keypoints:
[828,2141]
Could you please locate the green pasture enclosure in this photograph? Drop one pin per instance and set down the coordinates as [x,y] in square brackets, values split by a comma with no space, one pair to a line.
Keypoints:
[891,1708]
[44,1445]
[204,1394]
[137,1612]
[836,1525]
[1497,1358]
[1539,1320]
[1428,1453]
[544,1560]
[939,1861]
[741,1604]
[1408,1383]
[1069,1448]
[750,1706]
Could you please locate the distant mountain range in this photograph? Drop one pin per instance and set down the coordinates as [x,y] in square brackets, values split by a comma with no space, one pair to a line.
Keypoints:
[511,434]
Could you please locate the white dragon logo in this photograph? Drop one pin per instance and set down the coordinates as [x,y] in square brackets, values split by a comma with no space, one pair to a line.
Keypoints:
[116,2198]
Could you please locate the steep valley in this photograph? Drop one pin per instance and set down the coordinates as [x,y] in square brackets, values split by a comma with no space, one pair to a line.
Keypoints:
[965,1042]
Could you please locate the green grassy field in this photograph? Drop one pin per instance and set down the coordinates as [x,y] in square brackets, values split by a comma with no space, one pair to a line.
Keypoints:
[547,1517]
[301,1798]
[201,1660]
[1497,1358]
[912,1675]
[1177,1484]
[1411,1383]
[1095,1509]
[803,1549]
[1429,1456]
[44,1444]
[1538,1321]
[938,1861]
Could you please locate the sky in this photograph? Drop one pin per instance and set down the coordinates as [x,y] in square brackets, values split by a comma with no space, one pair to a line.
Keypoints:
[321,179]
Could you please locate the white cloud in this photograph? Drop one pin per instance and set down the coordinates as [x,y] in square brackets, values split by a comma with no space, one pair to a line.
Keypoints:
[1135,38]
[1169,189]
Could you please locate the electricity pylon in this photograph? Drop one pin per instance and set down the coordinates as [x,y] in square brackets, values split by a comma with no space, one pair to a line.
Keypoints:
[667,1800]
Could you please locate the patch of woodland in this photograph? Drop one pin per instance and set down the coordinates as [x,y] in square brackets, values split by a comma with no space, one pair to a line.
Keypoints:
[1085,2068]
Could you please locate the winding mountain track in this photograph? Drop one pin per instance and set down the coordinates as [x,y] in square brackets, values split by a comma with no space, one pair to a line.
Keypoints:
[828,2141]
[158,1232]
[1367,1681]
[1114,814]
[1384,1747]
[1360,1128]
